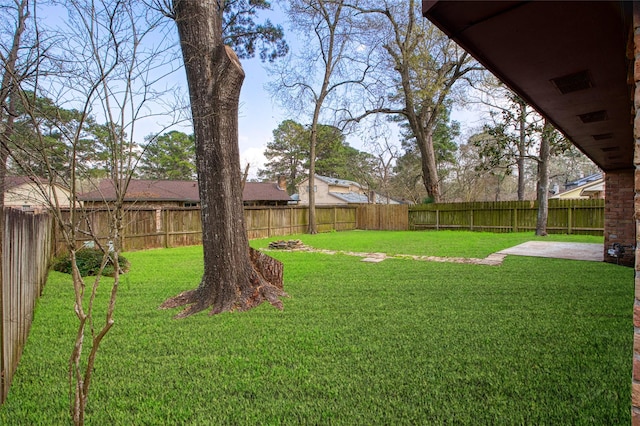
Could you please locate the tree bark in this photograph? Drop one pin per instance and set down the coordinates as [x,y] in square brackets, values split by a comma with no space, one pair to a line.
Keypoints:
[313,227]
[233,279]
[522,148]
[543,180]
[429,167]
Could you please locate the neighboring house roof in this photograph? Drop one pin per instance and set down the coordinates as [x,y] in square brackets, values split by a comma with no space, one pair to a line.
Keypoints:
[358,198]
[146,190]
[338,182]
[350,197]
[586,190]
[264,191]
[15,181]
[583,181]
[179,190]
[593,189]
[355,193]
[33,192]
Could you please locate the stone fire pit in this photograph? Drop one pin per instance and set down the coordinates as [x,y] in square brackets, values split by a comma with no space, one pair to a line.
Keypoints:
[286,245]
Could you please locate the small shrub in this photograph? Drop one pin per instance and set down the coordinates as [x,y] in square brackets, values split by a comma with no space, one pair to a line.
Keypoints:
[88,261]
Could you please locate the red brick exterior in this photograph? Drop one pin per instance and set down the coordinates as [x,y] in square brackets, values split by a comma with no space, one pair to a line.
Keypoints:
[635,380]
[619,215]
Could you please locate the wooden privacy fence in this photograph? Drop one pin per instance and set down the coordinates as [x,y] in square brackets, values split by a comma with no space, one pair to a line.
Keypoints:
[565,216]
[146,227]
[383,217]
[26,252]
[264,222]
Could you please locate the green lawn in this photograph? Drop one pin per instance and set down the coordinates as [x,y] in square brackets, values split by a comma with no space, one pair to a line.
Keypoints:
[533,341]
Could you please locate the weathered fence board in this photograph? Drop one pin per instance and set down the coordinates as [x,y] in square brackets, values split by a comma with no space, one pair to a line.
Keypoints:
[391,217]
[147,228]
[565,216]
[172,227]
[26,252]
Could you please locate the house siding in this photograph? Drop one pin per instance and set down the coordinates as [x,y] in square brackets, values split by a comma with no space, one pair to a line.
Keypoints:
[322,193]
[29,195]
[330,191]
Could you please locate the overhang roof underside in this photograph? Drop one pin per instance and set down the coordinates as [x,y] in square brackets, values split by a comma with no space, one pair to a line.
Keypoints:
[566,59]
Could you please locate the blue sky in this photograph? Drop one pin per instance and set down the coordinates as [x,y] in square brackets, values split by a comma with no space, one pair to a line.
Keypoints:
[259,113]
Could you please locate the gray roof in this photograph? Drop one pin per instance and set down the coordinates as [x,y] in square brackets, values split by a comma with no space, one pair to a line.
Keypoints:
[338,182]
[351,197]
[357,198]
[584,180]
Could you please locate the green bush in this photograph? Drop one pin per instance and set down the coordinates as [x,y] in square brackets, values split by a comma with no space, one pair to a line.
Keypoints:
[88,261]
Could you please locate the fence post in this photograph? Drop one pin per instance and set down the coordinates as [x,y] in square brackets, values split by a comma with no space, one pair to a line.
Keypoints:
[269,223]
[471,220]
[437,219]
[514,216]
[3,364]
[570,219]
[335,218]
[166,228]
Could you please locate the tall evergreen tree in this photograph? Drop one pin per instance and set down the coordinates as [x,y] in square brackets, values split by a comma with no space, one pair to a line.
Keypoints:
[288,155]
[169,156]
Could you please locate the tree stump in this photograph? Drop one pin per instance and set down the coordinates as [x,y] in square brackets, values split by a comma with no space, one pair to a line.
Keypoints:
[266,266]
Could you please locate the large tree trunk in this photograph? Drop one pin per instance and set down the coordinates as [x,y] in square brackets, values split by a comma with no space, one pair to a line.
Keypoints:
[543,181]
[233,279]
[429,167]
[313,227]
[522,148]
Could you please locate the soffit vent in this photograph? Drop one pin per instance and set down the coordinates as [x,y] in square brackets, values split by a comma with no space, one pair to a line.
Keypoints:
[573,82]
[603,136]
[594,117]
[610,149]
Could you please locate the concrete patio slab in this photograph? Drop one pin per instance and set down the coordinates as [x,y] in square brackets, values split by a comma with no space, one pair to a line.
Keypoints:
[574,251]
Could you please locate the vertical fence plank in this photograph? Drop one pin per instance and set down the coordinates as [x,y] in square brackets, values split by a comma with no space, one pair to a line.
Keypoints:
[27,249]
[182,226]
[565,216]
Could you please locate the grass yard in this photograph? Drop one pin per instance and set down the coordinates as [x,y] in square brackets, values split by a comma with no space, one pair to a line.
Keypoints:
[533,341]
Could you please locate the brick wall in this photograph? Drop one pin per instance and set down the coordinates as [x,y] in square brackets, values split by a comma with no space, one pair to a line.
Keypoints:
[619,222]
[635,382]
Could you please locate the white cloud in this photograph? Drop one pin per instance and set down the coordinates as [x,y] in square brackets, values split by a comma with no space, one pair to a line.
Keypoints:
[256,159]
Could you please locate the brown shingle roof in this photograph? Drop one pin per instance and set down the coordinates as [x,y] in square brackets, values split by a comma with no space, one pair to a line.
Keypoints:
[14,181]
[179,190]
[146,190]
[264,191]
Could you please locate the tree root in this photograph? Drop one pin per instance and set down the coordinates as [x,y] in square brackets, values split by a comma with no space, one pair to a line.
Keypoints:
[264,284]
